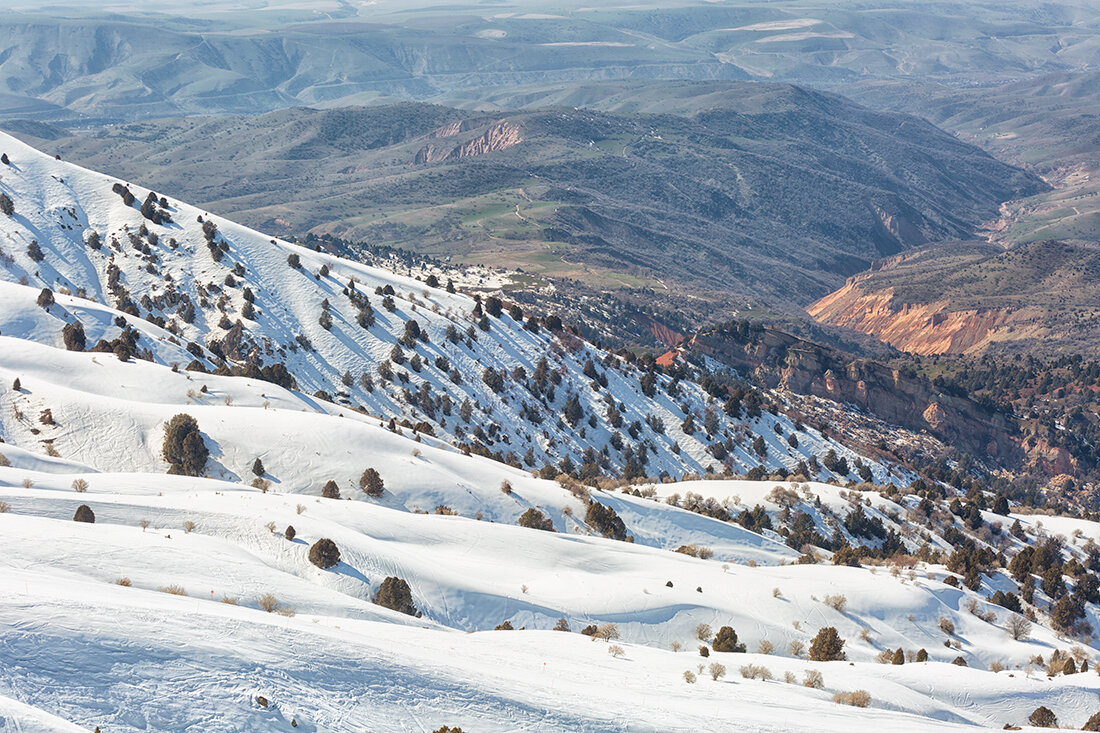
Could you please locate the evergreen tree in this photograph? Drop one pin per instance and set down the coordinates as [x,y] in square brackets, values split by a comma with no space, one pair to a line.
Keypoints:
[726,641]
[394,593]
[183,446]
[827,646]
[371,483]
[324,554]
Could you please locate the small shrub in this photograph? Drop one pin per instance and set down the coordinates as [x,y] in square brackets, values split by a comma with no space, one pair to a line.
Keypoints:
[716,670]
[188,526]
[175,590]
[765,647]
[836,602]
[922,655]
[267,602]
[125,582]
[607,632]
[616,651]
[506,487]
[813,678]
[947,626]
[330,490]
[704,651]
[5,507]
[84,513]
[324,553]
[689,677]
[856,698]
[796,648]
[289,532]
[959,662]
[703,632]
[756,672]
[790,678]
[561,625]
[80,485]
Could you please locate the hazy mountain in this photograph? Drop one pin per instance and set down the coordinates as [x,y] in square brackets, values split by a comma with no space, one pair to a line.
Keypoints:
[93,63]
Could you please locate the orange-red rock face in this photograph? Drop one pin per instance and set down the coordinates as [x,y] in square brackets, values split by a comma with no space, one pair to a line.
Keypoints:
[925,328]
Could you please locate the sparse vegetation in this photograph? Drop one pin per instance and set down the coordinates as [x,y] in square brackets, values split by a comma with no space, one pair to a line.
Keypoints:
[856,698]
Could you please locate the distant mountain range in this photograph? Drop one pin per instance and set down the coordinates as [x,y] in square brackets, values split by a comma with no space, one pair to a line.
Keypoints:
[774,193]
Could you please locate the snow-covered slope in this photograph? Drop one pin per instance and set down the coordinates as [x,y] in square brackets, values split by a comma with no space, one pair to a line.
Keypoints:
[127,658]
[167,272]
[188,599]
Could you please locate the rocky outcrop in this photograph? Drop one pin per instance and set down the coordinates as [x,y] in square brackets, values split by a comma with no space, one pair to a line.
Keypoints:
[499,136]
[892,395]
[920,328]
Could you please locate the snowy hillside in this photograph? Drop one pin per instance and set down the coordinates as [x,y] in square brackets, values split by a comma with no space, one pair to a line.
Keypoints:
[359,336]
[196,590]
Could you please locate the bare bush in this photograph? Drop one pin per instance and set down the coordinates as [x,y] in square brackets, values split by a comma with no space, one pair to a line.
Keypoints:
[703,632]
[189,526]
[756,672]
[607,632]
[175,590]
[5,507]
[267,602]
[80,485]
[796,648]
[765,647]
[125,582]
[947,626]
[1018,627]
[716,670]
[855,698]
[689,677]
[616,651]
[812,678]
[837,602]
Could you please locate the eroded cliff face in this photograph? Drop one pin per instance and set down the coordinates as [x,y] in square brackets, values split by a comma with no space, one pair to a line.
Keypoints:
[499,136]
[921,328]
[892,395]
